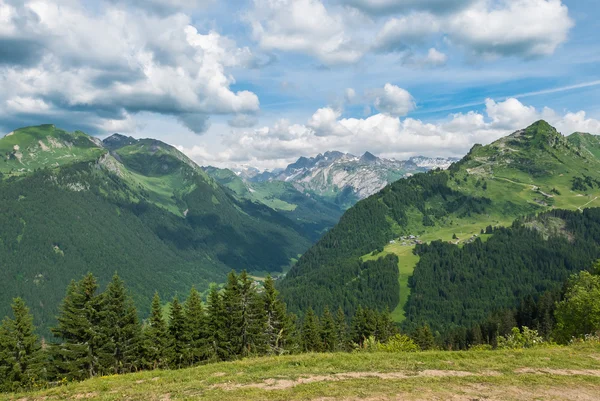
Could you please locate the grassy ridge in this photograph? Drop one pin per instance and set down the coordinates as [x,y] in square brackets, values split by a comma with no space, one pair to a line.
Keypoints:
[558,373]
[527,172]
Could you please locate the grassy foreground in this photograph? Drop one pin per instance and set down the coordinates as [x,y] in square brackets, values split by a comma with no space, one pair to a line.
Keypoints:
[556,373]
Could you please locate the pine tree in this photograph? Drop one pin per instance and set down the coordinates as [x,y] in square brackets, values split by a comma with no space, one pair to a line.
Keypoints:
[77,357]
[341,330]
[157,341]
[311,332]
[385,327]
[21,357]
[423,337]
[218,344]
[196,327]
[179,339]
[253,318]
[278,326]
[328,331]
[233,316]
[120,328]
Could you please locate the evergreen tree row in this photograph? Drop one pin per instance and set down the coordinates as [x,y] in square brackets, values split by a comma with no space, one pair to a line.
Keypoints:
[98,333]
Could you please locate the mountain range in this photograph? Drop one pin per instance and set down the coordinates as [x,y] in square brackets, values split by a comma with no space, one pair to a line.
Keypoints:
[70,203]
[375,255]
[343,177]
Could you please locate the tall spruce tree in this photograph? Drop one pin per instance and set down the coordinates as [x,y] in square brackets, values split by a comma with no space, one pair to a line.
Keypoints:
[21,357]
[77,356]
[196,327]
[311,332]
[233,315]
[328,331]
[278,326]
[218,342]
[120,329]
[341,331]
[179,335]
[157,341]
[252,318]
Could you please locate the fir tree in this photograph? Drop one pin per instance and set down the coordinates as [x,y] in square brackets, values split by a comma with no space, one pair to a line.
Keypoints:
[252,318]
[278,326]
[196,328]
[157,341]
[423,337]
[232,316]
[218,344]
[21,358]
[120,329]
[341,330]
[328,331]
[311,332]
[77,356]
[179,335]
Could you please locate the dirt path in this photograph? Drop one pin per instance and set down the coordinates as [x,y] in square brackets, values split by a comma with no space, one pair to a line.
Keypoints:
[282,384]
[581,207]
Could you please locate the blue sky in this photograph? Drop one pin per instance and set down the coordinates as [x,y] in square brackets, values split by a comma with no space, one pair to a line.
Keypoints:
[263,82]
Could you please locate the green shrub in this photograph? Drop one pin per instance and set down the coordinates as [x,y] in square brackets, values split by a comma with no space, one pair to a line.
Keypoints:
[518,339]
[398,343]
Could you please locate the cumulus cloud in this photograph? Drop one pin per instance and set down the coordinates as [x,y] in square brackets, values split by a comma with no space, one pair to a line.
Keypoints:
[394,101]
[526,28]
[303,26]
[164,7]
[486,28]
[139,62]
[386,135]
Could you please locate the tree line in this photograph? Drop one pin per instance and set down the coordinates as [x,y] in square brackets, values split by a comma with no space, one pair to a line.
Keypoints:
[99,333]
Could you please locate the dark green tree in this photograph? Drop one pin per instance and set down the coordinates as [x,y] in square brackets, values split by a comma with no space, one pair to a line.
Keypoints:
[328,331]
[156,338]
[78,355]
[197,328]
[341,331]
[218,344]
[179,352]
[277,327]
[21,358]
[423,337]
[311,332]
[232,300]
[120,329]
[252,318]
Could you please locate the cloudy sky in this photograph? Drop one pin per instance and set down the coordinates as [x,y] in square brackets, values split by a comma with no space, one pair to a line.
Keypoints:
[263,82]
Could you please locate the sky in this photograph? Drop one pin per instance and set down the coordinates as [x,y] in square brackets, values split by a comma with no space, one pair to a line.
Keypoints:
[263,82]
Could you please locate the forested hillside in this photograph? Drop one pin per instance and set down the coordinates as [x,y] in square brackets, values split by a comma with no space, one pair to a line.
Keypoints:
[460,286]
[70,204]
[528,172]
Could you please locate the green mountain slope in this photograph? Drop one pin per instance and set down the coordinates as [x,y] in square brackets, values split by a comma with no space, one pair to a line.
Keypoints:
[315,214]
[530,171]
[137,207]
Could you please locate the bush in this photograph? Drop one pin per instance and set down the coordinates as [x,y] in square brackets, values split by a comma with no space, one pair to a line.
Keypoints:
[518,340]
[398,343]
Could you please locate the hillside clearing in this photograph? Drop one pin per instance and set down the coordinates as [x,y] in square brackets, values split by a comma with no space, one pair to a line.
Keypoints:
[557,373]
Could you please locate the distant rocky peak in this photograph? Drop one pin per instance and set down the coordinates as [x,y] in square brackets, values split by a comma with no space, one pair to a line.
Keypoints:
[116,141]
[369,158]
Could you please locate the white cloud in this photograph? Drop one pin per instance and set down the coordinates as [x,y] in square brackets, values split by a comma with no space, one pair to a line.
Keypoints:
[400,33]
[394,101]
[304,26]
[526,28]
[488,28]
[385,135]
[139,62]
